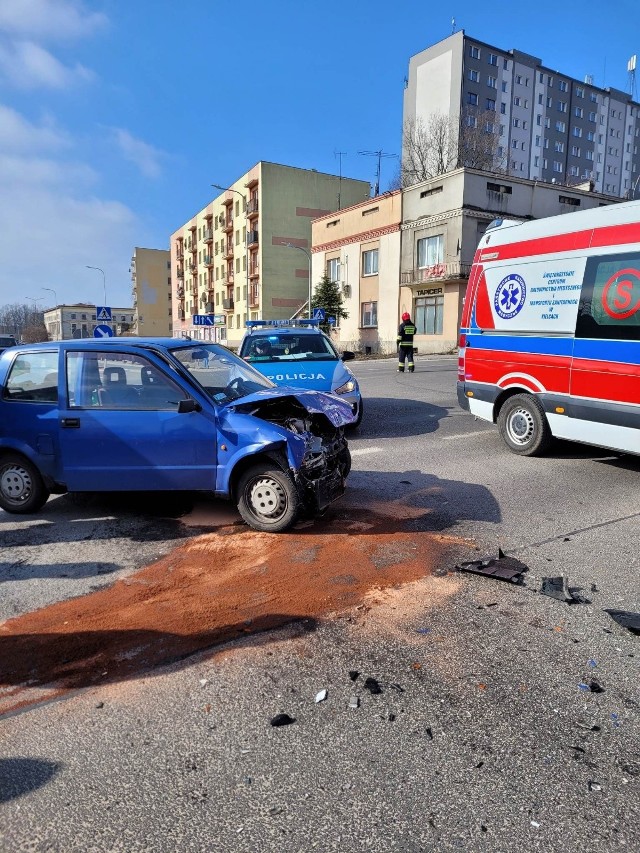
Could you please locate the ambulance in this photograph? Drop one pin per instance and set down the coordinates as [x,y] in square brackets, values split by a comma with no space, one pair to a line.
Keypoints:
[550,333]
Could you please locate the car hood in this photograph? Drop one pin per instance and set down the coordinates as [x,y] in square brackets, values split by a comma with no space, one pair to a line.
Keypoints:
[337,411]
[315,375]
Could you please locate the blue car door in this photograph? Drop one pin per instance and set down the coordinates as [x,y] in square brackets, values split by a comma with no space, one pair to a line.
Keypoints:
[120,431]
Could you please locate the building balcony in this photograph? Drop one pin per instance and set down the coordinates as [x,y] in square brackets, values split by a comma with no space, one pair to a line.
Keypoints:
[252,238]
[252,208]
[180,272]
[436,272]
[254,294]
[208,260]
[180,293]
[254,270]
[207,235]
[227,304]
[209,308]
[181,314]
[228,251]
[193,267]
[228,225]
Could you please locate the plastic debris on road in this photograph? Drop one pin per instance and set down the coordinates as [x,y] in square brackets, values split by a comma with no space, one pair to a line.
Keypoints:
[372,686]
[353,674]
[354,702]
[501,568]
[282,720]
[626,618]
[321,696]
[591,687]
[558,588]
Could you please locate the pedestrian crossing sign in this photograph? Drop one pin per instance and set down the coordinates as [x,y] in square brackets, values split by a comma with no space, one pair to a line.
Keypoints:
[103,313]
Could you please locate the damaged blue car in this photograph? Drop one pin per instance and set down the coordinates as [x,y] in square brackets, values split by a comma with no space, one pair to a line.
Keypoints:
[155,414]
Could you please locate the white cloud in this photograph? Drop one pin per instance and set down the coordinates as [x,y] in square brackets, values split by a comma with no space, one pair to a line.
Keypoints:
[144,156]
[52,222]
[49,19]
[21,136]
[28,66]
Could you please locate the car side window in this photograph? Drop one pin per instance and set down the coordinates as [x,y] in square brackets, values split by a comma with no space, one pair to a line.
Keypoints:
[609,306]
[33,378]
[112,380]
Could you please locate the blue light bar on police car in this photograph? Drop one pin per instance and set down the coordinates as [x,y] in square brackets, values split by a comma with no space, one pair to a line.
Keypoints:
[253,324]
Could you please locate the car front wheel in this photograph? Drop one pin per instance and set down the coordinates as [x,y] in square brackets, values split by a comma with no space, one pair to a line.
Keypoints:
[267,498]
[22,489]
[523,425]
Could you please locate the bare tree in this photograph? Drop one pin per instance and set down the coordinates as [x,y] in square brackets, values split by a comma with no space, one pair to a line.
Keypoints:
[479,141]
[443,143]
[15,318]
[428,149]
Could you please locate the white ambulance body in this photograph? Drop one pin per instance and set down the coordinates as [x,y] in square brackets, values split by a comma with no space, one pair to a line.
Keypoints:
[550,332]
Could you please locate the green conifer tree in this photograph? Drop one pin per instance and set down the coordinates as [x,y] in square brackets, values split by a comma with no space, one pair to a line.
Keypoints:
[327,295]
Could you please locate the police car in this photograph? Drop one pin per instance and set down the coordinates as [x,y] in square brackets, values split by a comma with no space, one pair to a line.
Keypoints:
[299,354]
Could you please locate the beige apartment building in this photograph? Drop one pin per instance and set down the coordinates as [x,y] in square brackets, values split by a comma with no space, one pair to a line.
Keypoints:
[443,220]
[65,322]
[412,251]
[247,254]
[151,291]
[359,248]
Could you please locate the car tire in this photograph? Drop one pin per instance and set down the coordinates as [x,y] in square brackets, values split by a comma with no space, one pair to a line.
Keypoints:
[523,425]
[22,489]
[345,462]
[268,499]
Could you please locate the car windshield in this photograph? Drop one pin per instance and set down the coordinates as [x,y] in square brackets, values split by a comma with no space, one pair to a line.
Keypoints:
[223,375]
[284,346]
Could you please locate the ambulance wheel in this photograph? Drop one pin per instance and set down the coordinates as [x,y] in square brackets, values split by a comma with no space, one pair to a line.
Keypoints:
[268,499]
[22,489]
[523,425]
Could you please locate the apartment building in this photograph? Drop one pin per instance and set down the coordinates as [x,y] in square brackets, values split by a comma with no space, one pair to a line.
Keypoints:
[65,322]
[247,254]
[442,222]
[151,292]
[359,248]
[552,127]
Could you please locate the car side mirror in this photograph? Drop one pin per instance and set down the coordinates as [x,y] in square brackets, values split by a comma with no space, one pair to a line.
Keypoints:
[189,405]
[347,355]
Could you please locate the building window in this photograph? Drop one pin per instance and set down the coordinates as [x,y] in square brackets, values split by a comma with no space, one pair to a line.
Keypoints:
[369,315]
[579,92]
[559,147]
[492,83]
[472,99]
[562,106]
[516,122]
[370,262]
[503,85]
[430,251]
[561,126]
[472,121]
[503,108]
[557,166]
[429,315]
[333,269]
[493,59]
[491,104]
[474,75]
[577,131]
[474,51]
[562,85]
[575,150]
[579,112]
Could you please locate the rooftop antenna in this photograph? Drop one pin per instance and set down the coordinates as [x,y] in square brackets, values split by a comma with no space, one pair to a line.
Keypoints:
[379,154]
[453,25]
[631,68]
[340,155]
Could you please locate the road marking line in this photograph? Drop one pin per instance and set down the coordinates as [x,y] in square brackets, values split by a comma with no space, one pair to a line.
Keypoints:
[363,451]
[467,434]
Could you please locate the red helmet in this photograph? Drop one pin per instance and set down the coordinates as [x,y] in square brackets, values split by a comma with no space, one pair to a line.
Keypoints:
[406,316]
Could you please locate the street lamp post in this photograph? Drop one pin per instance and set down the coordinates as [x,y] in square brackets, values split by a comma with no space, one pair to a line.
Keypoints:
[246,231]
[308,254]
[51,290]
[104,281]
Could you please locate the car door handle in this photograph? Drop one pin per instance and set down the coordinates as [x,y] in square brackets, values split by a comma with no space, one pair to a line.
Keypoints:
[70,423]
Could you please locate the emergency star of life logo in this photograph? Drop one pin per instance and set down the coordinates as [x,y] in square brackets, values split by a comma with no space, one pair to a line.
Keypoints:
[510,296]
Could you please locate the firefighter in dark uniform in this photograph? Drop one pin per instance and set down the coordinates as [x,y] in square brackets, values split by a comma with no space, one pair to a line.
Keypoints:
[406,331]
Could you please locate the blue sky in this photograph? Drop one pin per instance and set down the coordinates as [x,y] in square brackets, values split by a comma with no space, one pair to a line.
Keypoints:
[116,116]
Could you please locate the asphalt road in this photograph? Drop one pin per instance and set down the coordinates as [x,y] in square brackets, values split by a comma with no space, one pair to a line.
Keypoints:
[482,737]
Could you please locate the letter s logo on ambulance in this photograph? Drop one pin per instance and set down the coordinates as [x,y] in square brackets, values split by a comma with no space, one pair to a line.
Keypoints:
[510,296]
[621,294]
